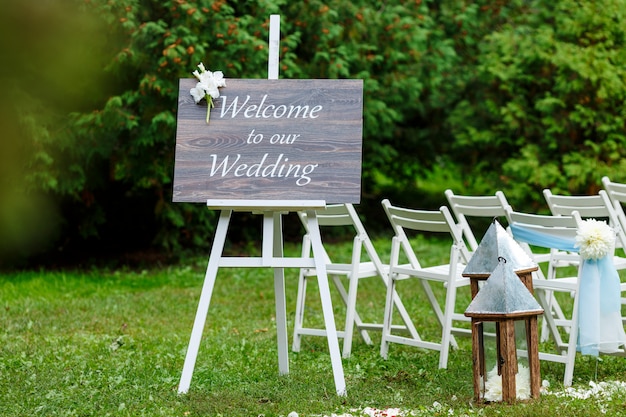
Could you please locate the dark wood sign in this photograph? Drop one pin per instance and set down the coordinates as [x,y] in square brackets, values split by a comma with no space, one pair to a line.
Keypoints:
[271,140]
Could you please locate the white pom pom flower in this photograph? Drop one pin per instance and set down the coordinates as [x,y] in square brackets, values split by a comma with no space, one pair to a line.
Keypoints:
[594,239]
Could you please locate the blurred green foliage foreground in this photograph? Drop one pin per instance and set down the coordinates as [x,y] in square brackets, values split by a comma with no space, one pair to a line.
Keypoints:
[471,95]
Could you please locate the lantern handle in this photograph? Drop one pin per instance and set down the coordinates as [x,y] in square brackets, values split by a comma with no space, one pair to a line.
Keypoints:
[501,259]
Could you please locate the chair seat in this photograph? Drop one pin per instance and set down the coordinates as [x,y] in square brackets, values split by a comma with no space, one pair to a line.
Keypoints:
[365,269]
[434,273]
[561,284]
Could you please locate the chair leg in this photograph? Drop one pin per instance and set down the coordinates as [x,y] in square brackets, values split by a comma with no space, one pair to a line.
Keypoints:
[300,299]
[441,316]
[356,318]
[406,319]
[352,316]
[548,318]
[446,332]
[545,330]
[299,316]
[386,330]
[391,290]
[571,346]
[555,308]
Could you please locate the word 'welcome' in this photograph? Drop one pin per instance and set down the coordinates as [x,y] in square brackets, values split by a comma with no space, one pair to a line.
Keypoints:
[263,111]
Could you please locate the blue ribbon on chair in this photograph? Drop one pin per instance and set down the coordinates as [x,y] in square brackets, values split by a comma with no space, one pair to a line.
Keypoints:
[600,327]
[544,240]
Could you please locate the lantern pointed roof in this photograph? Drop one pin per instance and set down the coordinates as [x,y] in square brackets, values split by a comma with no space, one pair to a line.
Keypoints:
[495,244]
[503,295]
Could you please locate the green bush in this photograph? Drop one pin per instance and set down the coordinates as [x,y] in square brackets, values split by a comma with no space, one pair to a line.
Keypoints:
[470,95]
[548,109]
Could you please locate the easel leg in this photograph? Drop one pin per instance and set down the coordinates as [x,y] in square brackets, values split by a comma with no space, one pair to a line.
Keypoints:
[274,221]
[350,300]
[205,299]
[327,308]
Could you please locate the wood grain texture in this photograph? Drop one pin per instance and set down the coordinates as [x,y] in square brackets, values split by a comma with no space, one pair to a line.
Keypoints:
[308,136]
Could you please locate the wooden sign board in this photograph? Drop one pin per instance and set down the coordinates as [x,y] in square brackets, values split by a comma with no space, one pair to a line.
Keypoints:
[271,140]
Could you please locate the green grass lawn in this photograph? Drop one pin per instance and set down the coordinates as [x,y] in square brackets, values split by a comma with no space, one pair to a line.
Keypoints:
[107,342]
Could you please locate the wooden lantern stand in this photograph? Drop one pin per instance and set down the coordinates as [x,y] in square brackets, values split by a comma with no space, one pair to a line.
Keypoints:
[506,352]
[505,342]
[502,266]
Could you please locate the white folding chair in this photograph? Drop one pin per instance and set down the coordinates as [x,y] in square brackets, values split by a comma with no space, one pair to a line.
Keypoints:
[344,215]
[491,206]
[617,195]
[484,206]
[557,227]
[448,274]
[598,206]
[554,230]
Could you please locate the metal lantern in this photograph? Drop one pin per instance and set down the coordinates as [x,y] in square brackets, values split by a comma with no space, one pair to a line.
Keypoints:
[498,249]
[503,300]
[495,244]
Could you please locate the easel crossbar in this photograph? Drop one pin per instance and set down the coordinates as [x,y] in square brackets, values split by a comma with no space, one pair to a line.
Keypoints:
[266,205]
[272,262]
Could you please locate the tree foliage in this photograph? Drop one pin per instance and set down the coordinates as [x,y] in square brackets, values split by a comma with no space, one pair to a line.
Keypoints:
[550,104]
[471,95]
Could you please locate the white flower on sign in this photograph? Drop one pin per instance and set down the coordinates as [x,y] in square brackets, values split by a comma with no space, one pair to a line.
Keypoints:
[595,239]
[207,87]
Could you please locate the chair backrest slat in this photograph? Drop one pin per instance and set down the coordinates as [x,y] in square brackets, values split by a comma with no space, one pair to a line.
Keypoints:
[345,215]
[490,205]
[586,205]
[420,225]
[557,233]
[615,190]
[597,206]
[561,226]
[334,215]
[486,206]
[419,220]
[434,221]
[335,220]
[541,220]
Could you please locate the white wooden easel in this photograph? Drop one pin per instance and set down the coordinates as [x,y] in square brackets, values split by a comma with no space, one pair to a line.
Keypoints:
[272,257]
